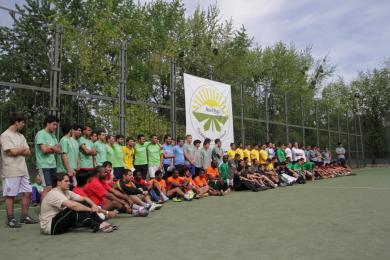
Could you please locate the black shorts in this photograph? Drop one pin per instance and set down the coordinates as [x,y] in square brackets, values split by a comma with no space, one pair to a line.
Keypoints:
[143,168]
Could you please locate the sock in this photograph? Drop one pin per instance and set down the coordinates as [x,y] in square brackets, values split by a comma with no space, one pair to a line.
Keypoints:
[23,216]
[10,217]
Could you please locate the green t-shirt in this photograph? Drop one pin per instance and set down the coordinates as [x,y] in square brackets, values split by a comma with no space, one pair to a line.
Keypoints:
[101,152]
[280,154]
[224,171]
[140,154]
[118,156]
[154,153]
[298,168]
[86,160]
[290,166]
[189,149]
[308,166]
[45,160]
[71,148]
[109,153]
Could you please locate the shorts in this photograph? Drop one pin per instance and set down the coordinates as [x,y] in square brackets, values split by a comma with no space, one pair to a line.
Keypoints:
[48,175]
[229,182]
[12,186]
[143,168]
[152,171]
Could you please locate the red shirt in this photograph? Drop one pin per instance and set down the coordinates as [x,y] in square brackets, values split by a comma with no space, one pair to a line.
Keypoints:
[140,183]
[96,191]
[80,191]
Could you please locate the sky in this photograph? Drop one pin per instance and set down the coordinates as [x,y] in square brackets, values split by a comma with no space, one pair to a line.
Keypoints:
[355,34]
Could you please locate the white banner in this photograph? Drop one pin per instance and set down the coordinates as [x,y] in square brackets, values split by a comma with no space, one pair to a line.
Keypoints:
[208,110]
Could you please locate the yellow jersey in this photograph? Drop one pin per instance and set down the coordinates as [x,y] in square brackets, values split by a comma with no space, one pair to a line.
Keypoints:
[128,157]
[240,152]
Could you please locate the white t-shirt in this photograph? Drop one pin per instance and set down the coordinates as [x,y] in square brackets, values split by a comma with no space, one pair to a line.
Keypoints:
[12,166]
[52,205]
[340,151]
[298,154]
[288,153]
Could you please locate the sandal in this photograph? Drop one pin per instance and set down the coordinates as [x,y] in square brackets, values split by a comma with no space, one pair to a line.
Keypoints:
[106,229]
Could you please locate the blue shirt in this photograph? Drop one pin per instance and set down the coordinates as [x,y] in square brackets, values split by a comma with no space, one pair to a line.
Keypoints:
[167,150]
[179,154]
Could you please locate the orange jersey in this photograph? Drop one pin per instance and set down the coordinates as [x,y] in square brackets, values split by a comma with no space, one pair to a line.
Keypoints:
[212,172]
[171,179]
[161,183]
[200,182]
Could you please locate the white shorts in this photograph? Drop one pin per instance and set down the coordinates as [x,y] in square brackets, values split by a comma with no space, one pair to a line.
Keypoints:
[12,186]
[152,171]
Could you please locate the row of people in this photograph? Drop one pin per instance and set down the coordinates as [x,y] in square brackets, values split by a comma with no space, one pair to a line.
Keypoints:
[76,153]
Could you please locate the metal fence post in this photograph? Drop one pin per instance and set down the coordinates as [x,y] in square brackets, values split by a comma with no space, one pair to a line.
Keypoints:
[348,142]
[317,124]
[286,115]
[173,97]
[302,121]
[55,72]
[266,114]
[361,141]
[338,125]
[122,87]
[356,140]
[242,114]
[328,122]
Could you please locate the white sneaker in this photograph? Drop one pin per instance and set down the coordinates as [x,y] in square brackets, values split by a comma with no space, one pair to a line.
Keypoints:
[155,207]
[164,197]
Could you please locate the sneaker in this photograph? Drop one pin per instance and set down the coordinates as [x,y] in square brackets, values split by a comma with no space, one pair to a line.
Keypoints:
[165,198]
[34,205]
[155,207]
[141,212]
[176,200]
[148,206]
[13,223]
[28,220]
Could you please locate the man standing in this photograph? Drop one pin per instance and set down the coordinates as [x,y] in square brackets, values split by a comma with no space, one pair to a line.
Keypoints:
[263,154]
[255,155]
[205,154]
[247,151]
[189,155]
[217,152]
[240,151]
[46,147]
[117,163]
[155,158]
[179,156]
[288,151]
[168,155]
[14,149]
[280,154]
[128,154]
[140,156]
[101,148]
[87,150]
[68,159]
[232,151]
[340,151]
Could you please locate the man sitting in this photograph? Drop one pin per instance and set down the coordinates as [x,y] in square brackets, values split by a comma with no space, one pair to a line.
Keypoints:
[108,198]
[158,188]
[175,187]
[62,209]
[214,179]
[138,195]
